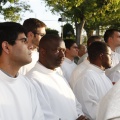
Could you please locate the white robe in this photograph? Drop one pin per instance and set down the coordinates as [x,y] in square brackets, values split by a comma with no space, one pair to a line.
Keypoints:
[59,101]
[67,67]
[115,60]
[117,50]
[78,71]
[26,68]
[109,107]
[18,99]
[90,88]
[81,59]
[114,73]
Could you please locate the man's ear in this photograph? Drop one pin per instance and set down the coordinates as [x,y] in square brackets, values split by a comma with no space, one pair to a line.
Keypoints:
[101,56]
[110,40]
[5,47]
[30,34]
[42,52]
[67,50]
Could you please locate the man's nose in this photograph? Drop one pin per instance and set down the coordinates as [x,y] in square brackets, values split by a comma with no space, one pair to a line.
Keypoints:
[30,46]
[62,53]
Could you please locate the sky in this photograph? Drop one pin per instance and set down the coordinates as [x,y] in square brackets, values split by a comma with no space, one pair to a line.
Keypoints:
[41,12]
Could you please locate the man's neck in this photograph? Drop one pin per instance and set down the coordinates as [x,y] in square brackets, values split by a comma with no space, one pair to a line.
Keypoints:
[70,57]
[9,70]
[112,47]
[9,73]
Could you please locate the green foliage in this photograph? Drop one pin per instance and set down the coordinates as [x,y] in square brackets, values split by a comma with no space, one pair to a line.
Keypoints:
[51,31]
[13,11]
[95,13]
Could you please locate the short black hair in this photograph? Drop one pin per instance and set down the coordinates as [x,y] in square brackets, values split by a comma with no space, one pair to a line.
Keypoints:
[46,40]
[109,33]
[95,49]
[32,24]
[69,43]
[9,32]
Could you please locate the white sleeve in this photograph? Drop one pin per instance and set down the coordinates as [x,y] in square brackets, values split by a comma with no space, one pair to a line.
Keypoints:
[79,108]
[86,95]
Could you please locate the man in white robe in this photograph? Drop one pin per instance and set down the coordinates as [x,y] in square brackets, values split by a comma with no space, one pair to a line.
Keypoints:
[112,38]
[78,72]
[82,50]
[114,73]
[93,84]
[117,49]
[18,97]
[68,65]
[35,31]
[82,66]
[60,102]
[109,107]
[81,59]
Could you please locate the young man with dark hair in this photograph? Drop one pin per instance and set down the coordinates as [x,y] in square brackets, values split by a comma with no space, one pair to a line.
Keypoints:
[68,64]
[35,30]
[18,98]
[112,38]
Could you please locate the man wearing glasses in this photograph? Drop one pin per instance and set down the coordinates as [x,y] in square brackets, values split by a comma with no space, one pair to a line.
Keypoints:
[35,31]
[18,98]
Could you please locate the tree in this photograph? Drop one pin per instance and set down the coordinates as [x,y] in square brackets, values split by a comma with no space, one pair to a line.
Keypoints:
[51,31]
[12,9]
[68,31]
[93,13]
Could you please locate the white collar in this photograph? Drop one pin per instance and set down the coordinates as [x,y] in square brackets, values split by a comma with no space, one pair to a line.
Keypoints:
[68,60]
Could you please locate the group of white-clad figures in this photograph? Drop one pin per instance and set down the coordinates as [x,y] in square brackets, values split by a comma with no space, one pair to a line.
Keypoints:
[39,79]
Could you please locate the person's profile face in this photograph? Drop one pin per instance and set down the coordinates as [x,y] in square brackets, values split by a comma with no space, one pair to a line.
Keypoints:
[116,38]
[55,54]
[74,50]
[40,32]
[107,60]
[20,52]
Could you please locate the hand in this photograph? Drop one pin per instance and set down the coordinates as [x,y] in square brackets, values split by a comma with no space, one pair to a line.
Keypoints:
[82,117]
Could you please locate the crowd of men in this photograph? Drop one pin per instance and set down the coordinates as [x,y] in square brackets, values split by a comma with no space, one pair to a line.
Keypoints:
[46,78]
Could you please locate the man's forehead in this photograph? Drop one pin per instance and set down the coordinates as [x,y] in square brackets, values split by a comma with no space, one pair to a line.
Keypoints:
[116,33]
[41,29]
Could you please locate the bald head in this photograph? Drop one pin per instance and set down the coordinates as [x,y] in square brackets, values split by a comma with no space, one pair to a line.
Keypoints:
[46,40]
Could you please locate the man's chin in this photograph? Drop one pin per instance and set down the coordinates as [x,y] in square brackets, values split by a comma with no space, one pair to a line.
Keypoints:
[28,62]
[108,67]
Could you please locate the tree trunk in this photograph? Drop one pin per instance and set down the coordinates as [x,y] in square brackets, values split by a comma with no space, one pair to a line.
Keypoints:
[97,31]
[79,28]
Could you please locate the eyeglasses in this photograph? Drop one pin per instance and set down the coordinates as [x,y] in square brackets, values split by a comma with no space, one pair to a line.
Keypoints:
[40,34]
[75,47]
[108,54]
[23,39]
